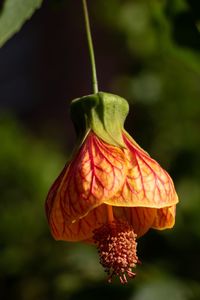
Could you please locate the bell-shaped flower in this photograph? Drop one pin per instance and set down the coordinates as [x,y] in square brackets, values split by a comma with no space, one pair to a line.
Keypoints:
[112,191]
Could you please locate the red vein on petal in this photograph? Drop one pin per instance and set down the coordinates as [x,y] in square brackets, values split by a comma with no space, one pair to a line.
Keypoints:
[90,176]
[110,154]
[138,154]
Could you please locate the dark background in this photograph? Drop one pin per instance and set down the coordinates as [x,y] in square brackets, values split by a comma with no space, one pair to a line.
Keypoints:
[147,51]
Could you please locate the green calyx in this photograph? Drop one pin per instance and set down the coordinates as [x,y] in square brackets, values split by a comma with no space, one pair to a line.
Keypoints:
[103,113]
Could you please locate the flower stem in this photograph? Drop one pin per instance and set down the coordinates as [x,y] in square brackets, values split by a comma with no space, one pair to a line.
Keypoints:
[110,214]
[90,46]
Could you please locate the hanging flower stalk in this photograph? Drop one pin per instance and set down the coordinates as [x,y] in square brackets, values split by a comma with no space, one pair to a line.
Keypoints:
[111,192]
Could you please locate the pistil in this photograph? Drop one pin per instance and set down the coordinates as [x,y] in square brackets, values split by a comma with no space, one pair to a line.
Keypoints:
[110,214]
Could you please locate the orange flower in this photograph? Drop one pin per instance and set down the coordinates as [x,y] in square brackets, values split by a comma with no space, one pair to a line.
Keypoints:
[109,194]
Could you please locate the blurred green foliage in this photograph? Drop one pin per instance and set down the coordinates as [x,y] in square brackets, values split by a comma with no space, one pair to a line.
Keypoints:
[162,43]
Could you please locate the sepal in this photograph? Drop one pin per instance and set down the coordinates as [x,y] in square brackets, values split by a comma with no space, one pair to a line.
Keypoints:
[103,113]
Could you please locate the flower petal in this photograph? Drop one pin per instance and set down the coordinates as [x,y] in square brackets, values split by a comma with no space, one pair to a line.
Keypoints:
[147,184]
[52,193]
[140,218]
[165,218]
[79,230]
[96,173]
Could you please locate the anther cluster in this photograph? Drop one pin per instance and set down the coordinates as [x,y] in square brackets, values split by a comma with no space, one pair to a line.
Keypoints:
[116,243]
